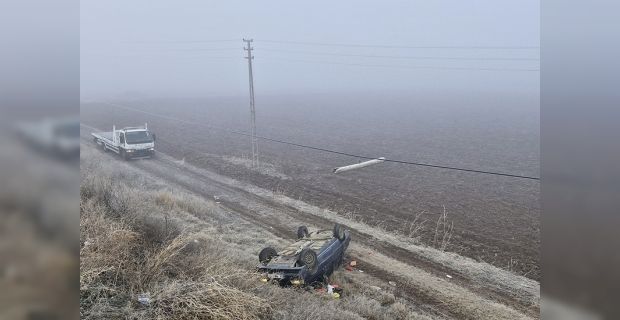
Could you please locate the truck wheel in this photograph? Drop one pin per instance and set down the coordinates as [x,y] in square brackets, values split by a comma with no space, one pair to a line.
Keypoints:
[339,232]
[266,255]
[302,232]
[307,258]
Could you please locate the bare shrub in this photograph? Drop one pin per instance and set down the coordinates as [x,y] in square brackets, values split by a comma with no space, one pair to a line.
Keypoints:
[119,262]
[512,264]
[114,196]
[416,226]
[192,300]
[399,311]
[155,230]
[165,199]
[106,255]
[443,231]
[387,299]
[170,261]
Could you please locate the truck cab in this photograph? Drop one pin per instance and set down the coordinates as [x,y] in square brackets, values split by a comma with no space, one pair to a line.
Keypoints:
[135,142]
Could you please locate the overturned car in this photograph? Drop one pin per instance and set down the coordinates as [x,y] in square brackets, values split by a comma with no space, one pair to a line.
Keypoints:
[312,258]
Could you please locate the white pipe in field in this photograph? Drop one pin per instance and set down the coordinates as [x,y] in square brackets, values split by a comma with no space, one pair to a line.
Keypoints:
[358,165]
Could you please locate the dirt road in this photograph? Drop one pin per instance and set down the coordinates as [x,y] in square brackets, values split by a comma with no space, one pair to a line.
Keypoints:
[421,273]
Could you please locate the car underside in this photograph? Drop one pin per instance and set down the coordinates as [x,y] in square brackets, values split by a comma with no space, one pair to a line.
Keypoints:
[312,258]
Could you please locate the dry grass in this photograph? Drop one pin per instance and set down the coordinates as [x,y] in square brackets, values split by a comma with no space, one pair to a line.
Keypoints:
[415,227]
[121,262]
[443,231]
[263,168]
[199,300]
[192,261]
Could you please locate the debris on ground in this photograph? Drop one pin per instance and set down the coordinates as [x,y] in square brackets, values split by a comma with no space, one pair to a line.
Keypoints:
[348,268]
[360,270]
[449,276]
[392,283]
[143,300]
[375,287]
[330,289]
[353,263]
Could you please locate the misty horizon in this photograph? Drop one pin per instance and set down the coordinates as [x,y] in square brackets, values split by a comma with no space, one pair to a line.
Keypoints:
[196,49]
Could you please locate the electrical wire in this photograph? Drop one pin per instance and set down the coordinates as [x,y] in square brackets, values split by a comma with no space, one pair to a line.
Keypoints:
[403,47]
[191,41]
[154,50]
[326,150]
[174,58]
[405,67]
[402,57]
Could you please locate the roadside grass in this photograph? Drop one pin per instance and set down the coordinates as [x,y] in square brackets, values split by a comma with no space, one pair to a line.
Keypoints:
[263,168]
[141,239]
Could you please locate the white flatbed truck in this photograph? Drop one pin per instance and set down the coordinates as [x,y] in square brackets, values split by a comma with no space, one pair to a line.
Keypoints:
[129,142]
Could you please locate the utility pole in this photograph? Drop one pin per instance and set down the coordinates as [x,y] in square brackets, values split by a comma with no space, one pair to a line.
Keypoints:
[252,111]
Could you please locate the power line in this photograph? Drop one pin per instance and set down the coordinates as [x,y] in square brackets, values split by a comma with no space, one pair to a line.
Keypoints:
[404,57]
[326,150]
[406,67]
[403,47]
[190,41]
[174,58]
[155,50]
[326,44]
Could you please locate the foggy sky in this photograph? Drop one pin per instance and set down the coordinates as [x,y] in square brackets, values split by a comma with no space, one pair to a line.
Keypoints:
[120,53]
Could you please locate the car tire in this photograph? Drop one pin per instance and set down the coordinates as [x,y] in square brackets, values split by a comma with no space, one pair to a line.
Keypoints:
[266,255]
[339,232]
[302,232]
[308,258]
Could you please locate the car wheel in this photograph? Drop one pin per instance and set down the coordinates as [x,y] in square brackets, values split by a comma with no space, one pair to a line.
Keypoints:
[308,258]
[302,232]
[266,255]
[339,232]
